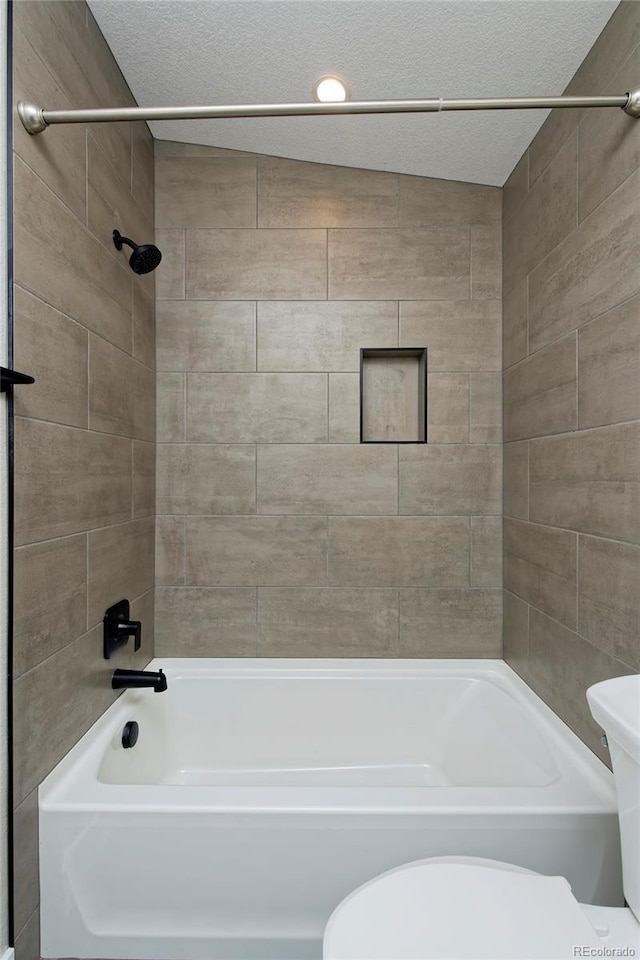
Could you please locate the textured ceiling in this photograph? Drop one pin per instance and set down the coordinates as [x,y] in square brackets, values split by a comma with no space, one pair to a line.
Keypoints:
[251,51]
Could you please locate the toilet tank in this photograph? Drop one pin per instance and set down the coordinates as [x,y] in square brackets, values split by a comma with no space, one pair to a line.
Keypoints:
[615,705]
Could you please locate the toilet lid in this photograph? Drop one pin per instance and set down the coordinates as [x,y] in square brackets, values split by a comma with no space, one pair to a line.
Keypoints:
[459,909]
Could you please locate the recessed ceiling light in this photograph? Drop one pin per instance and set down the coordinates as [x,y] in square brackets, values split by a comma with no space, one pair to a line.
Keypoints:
[330,90]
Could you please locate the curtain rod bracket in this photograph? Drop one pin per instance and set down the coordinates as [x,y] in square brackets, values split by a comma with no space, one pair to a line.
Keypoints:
[632,106]
[32,117]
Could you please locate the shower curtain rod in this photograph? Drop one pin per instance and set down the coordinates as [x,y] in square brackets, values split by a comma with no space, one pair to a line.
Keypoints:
[36,119]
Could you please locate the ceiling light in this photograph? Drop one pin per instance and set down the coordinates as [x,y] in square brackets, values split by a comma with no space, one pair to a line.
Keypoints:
[330,90]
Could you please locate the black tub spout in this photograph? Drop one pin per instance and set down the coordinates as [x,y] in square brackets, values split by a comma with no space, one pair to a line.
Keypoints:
[125,679]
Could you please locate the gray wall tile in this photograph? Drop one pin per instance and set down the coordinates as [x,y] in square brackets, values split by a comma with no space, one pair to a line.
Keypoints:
[267,551]
[257,407]
[588,481]
[609,597]
[515,481]
[540,393]
[206,336]
[409,263]
[53,349]
[52,500]
[327,622]
[170,278]
[344,408]
[327,479]
[609,367]
[205,192]
[439,479]
[206,479]
[296,194]
[485,408]
[26,891]
[447,408]
[50,598]
[206,621]
[516,633]
[120,564]
[322,336]
[256,264]
[450,623]
[516,187]
[170,550]
[121,393]
[144,479]
[171,407]
[460,335]
[398,551]
[486,551]
[515,334]
[426,202]
[486,263]
[540,566]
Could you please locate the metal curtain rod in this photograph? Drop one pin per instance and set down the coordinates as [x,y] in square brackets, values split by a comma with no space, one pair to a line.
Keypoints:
[36,119]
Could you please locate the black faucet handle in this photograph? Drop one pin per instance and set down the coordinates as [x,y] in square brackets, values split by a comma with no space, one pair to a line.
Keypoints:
[118,627]
[130,628]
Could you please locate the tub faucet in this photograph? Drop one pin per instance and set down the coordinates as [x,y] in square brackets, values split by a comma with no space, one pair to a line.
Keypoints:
[124,679]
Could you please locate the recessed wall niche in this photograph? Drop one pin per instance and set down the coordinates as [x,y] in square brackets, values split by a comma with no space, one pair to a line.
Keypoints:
[393,395]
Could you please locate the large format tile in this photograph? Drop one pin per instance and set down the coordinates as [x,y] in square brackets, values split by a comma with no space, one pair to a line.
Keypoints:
[73,686]
[410,263]
[609,143]
[27,940]
[170,551]
[547,214]
[486,551]
[609,367]
[515,632]
[144,479]
[486,263]
[60,162]
[596,267]
[588,481]
[257,407]
[426,202]
[448,408]
[205,192]
[450,623]
[26,892]
[322,336]
[120,564]
[53,349]
[516,187]
[562,666]
[121,393]
[451,479]
[327,622]
[268,551]
[540,566]
[144,322]
[540,393]
[256,264]
[515,480]
[460,335]
[398,551]
[344,408]
[609,597]
[142,165]
[485,408]
[205,479]
[327,479]
[206,622]
[50,599]
[171,407]
[68,480]
[206,336]
[515,334]
[170,276]
[296,194]
[110,205]
[74,274]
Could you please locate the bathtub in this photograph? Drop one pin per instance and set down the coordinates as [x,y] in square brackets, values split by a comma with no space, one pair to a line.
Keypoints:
[260,792]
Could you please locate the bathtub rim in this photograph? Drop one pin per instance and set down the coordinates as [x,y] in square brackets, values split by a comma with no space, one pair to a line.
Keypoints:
[585,786]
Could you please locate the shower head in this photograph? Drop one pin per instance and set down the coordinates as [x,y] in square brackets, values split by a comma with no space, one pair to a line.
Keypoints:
[145,257]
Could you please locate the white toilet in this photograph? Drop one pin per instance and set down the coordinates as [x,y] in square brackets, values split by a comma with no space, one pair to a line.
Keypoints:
[466,908]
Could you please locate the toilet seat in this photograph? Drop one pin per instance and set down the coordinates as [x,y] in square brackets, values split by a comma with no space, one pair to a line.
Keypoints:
[459,908]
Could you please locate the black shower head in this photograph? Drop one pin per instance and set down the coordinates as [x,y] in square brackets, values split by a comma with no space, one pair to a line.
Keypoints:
[145,257]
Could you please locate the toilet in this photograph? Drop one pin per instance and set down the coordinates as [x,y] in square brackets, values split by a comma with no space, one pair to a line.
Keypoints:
[468,908]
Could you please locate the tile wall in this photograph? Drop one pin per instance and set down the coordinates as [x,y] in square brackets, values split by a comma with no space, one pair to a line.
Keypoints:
[572,391]
[278,534]
[85,431]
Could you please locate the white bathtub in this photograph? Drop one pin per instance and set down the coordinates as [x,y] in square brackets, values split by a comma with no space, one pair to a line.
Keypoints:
[261,792]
